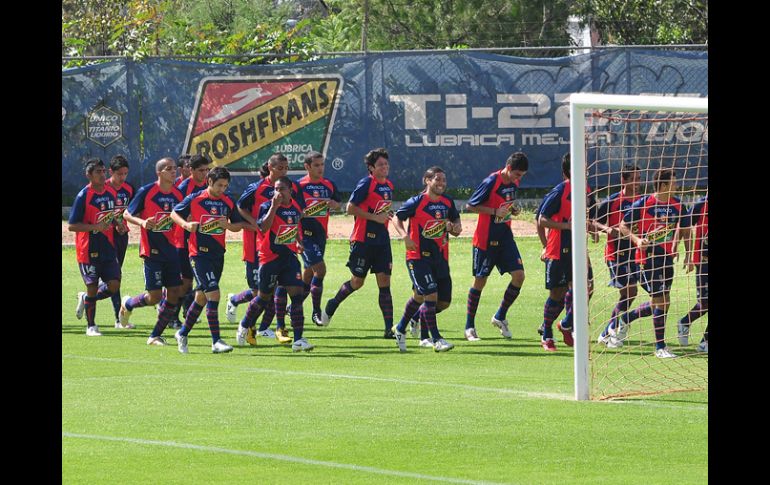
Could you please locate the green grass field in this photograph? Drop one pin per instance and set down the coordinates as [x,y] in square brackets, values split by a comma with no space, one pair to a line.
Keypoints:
[355,410]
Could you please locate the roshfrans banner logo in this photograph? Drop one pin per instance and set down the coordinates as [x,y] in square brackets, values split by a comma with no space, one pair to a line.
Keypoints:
[239,121]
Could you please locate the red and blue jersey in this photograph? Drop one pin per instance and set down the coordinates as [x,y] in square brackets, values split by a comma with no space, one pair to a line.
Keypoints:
[375,198]
[698,218]
[209,240]
[610,213]
[557,206]
[427,225]
[281,239]
[123,196]
[493,193]
[151,202]
[657,221]
[179,180]
[316,196]
[253,197]
[186,187]
[92,207]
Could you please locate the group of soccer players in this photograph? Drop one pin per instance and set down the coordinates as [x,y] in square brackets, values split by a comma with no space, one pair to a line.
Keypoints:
[184,221]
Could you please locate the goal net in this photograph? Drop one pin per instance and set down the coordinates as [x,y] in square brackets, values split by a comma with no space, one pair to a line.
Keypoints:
[643,331]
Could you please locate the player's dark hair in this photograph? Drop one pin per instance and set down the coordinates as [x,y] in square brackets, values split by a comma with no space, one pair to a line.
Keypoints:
[218,173]
[627,172]
[284,180]
[92,163]
[430,173]
[117,162]
[663,176]
[310,156]
[183,161]
[518,161]
[273,160]
[370,159]
[197,161]
[565,165]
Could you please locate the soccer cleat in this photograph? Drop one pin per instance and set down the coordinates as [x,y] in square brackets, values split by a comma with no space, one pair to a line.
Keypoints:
[240,336]
[93,331]
[400,339]
[230,309]
[414,328]
[664,353]
[302,345]
[603,339]
[181,343]
[266,333]
[220,347]
[548,345]
[317,318]
[567,334]
[282,335]
[541,329]
[426,342]
[128,325]
[251,336]
[81,306]
[124,314]
[683,333]
[159,341]
[471,335]
[442,345]
[503,326]
[703,347]
[614,343]
[388,334]
[325,318]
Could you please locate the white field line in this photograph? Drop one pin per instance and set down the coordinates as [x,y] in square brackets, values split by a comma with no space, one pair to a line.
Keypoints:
[273,456]
[513,392]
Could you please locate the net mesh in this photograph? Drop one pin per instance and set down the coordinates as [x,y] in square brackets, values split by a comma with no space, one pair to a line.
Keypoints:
[624,362]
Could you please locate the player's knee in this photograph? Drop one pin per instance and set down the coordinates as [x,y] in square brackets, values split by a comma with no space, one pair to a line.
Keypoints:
[356,282]
[517,278]
[479,283]
[442,305]
[113,286]
[153,297]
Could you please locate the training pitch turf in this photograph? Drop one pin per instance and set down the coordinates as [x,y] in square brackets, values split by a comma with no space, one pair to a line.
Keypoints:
[355,410]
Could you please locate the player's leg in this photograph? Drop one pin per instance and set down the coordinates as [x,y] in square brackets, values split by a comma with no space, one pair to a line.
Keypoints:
[662,269]
[167,310]
[482,267]
[701,306]
[508,261]
[121,245]
[268,280]
[153,284]
[91,279]
[235,299]
[313,277]
[382,267]
[556,284]
[291,280]
[359,265]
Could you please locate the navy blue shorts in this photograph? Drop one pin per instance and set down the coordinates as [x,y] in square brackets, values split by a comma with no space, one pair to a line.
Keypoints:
[702,283]
[657,274]
[207,272]
[121,245]
[623,273]
[501,254]
[184,263]
[106,271]
[369,258]
[429,277]
[284,271]
[158,274]
[314,251]
[558,273]
[252,274]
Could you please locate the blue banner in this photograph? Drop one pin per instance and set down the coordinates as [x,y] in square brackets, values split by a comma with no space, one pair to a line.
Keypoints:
[466,112]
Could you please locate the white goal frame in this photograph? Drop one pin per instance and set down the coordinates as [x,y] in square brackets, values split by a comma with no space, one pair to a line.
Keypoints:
[579,104]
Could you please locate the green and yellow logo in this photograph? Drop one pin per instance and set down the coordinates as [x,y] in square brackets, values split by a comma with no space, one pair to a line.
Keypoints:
[239,121]
[210,225]
[434,229]
[287,234]
[316,208]
[163,222]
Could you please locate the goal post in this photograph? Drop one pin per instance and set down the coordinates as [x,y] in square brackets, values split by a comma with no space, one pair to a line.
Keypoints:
[580,105]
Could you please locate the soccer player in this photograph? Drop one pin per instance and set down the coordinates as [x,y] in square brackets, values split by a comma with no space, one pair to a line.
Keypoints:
[207,215]
[123,191]
[493,244]
[697,256]
[279,223]
[199,166]
[618,253]
[151,210]
[249,203]
[320,194]
[183,164]
[555,216]
[432,217]
[652,222]
[91,219]
[370,205]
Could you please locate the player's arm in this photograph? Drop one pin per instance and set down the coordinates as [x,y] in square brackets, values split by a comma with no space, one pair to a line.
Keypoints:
[181,213]
[455,226]
[135,207]
[626,224]
[335,201]
[356,211]
[403,213]
[266,220]
[481,195]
